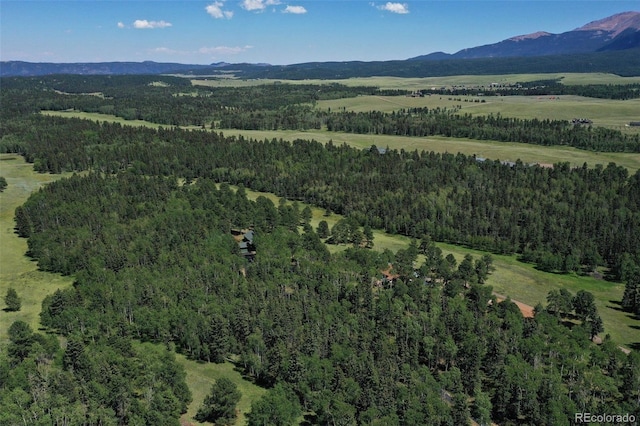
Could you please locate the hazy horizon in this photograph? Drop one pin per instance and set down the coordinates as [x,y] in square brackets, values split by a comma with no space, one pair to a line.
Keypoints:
[277,32]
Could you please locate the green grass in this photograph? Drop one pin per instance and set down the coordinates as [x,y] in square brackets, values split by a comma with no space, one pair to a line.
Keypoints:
[427,82]
[16,269]
[94,116]
[201,376]
[608,113]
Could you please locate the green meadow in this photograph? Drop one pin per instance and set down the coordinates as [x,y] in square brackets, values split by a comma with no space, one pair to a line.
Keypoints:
[608,113]
[16,269]
[201,376]
[427,82]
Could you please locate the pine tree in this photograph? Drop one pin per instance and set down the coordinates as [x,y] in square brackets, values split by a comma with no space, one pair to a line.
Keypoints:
[219,406]
[323,229]
[12,301]
[631,297]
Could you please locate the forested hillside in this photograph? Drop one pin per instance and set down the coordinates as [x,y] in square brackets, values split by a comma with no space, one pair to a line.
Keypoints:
[147,230]
[157,262]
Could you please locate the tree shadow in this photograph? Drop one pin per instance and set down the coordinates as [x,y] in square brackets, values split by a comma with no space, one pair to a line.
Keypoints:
[309,420]
[616,305]
[635,346]
[619,308]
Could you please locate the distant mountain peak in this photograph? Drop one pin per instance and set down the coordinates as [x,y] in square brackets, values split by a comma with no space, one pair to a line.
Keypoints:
[614,24]
[531,36]
[617,32]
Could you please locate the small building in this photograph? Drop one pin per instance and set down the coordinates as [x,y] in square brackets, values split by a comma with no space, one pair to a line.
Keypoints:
[578,121]
[244,238]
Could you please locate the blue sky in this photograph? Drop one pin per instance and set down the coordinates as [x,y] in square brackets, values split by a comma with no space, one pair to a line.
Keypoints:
[275,31]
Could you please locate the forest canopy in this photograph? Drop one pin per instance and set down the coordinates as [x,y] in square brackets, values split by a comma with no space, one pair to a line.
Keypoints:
[146,227]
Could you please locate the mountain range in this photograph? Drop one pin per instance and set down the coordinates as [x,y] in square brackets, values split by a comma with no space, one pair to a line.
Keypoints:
[609,45]
[617,32]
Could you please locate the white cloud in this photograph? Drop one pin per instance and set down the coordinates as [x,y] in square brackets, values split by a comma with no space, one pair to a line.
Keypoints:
[296,10]
[167,51]
[253,5]
[120,25]
[400,8]
[215,10]
[223,50]
[258,5]
[143,24]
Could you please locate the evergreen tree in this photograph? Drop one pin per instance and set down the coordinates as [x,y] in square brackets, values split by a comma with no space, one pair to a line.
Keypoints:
[12,300]
[368,236]
[323,229]
[306,215]
[278,407]
[631,297]
[481,408]
[21,340]
[584,305]
[219,407]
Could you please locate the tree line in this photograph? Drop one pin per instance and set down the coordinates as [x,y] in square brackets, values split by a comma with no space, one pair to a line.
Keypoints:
[544,88]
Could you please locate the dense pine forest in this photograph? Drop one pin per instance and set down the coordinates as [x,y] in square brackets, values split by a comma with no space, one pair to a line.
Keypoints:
[146,227]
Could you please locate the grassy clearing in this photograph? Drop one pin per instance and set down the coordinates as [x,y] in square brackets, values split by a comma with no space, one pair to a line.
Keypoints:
[16,269]
[427,82]
[201,376]
[608,113]
[94,116]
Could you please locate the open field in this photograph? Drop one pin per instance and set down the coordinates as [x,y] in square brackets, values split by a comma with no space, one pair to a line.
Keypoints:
[528,153]
[16,269]
[201,376]
[427,82]
[94,116]
[608,113]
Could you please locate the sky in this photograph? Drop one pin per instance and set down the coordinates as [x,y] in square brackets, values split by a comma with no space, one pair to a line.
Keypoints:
[277,32]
